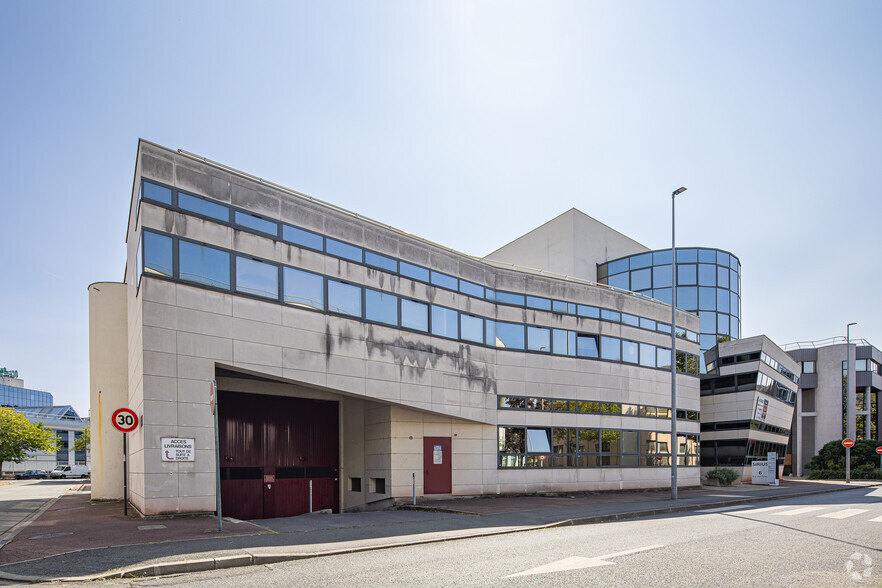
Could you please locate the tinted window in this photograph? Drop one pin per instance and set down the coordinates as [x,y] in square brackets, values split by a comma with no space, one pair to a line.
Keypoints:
[630,319]
[252,221]
[157,258]
[344,250]
[629,351]
[564,342]
[662,357]
[707,298]
[471,328]
[610,315]
[381,261]
[538,339]
[586,346]
[707,275]
[414,315]
[205,265]
[646,323]
[647,355]
[661,257]
[687,298]
[203,207]
[444,280]
[301,237]
[158,193]
[344,298]
[589,311]
[610,348]
[256,277]
[413,271]
[508,335]
[733,281]
[663,295]
[722,258]
[619,281]
[539,303]
[618,266]
[510,298]
[686,275]
[661,276]
[471,289]
[723,324]
[707,256]
[641,279]
[687,255]
[381,307]
[559,306]
[641,261]
[722,300]
[303,288]
[445,322]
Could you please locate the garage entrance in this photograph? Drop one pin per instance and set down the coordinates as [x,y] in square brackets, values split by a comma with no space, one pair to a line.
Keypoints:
[272,449]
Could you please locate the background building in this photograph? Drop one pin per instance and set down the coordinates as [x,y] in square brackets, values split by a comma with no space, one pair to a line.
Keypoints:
[820,413]
[747,403]
[15,395]
[359,360]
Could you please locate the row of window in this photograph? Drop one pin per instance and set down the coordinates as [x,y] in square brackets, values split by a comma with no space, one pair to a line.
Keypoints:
[867,365]
[592,407]
[232,216]
[180,259]
[663,257]
[23,397]
[713,277]
[737,452]
[747,424]
[531,447]
[754,356]
[745,383]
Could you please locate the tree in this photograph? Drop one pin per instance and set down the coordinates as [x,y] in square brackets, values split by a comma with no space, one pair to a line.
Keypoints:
[18,436]
[84,441]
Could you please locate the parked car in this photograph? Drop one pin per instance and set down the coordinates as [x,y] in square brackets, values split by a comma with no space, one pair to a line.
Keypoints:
[66,471]
[32,475]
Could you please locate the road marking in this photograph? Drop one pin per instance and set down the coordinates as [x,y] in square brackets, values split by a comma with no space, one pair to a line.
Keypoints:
[150,527]
[843,514]
[727,495]
[725,508]
[50,535]
[577,563]
[767,508]
[876,520]
[798,511]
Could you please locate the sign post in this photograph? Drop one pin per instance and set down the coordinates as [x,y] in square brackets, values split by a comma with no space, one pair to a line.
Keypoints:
[125,420]
[879,451]
[212,404]
[848,444]
[772,458]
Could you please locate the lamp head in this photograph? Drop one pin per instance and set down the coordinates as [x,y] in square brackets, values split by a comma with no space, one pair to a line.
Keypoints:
[678,191]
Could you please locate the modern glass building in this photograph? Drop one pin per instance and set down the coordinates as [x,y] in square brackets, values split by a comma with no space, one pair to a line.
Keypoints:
[18,397]
[708,284]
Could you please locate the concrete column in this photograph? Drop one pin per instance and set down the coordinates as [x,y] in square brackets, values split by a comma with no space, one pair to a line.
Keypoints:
[796,468]
[851,395]
[868,417]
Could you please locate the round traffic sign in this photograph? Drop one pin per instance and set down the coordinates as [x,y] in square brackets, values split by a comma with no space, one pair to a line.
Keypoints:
[848,442]
[879,450]
[125,420]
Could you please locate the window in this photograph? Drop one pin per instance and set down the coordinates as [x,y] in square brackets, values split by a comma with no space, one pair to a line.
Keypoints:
[641,279]
[381,261]
[471,328]
[206,265]
[686,274]
[538,303]
[586,346]
[647,355]
[808,367]
[507,335]
[344,250]
[707,298]
[564,342]
[471,289]
[618,266]
[445,322]
[619,281]
[203,207]
[381,307]
[707,275]
[344,298]
[610,315]
[630,319]
[157,254]
[629,351]
[646,323]
[256,277]
[413,271]
[512,440]
[355,484]
[378,485]
[443,280]
[303,288]
[414,315]
[258,223]
[510,298]
[610,348]
[588,311]
[538,339]
[156,192]
[302,238]
[538,441]
[687,298]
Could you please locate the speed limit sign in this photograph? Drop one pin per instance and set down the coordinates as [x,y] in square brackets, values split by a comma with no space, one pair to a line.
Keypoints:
[125,420]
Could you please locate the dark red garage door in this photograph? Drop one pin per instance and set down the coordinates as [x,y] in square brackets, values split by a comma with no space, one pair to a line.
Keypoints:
[272,448]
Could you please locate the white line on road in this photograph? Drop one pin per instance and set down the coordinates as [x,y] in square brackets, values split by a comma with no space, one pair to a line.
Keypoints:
[577,563]
[725,508]
[767,508]
[842,514]
[798,511]
[876,520]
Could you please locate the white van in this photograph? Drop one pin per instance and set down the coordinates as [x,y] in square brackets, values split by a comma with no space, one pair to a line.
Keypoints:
[66,471]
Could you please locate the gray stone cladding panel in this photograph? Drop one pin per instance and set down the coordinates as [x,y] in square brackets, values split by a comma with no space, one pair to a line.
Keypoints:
[157,167]
[246,196]
[215,185]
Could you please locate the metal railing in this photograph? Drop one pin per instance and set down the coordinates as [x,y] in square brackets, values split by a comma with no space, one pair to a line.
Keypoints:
[837,340]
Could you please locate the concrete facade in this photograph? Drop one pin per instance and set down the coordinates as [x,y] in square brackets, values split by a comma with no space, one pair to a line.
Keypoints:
[394,385]
[748,399]
[819,417]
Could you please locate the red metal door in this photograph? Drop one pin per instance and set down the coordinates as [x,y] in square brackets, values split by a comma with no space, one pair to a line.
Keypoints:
[436,465]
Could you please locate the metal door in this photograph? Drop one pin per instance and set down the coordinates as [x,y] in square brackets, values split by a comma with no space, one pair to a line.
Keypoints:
[436,465]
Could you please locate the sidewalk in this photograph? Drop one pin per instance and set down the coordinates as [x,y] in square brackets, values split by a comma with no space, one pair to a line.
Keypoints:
[74,539]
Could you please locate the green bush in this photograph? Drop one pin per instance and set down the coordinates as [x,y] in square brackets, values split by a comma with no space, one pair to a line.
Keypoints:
[864,472]
[832,457]
[725,475]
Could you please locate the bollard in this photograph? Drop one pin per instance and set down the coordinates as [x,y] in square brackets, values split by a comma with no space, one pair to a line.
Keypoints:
[310,496]
[414,488]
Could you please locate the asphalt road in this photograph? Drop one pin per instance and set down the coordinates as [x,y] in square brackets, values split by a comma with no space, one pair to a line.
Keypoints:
[20,498]
[811,541]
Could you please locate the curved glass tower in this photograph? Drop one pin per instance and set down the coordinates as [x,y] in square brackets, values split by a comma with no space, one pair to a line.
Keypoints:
[708,284]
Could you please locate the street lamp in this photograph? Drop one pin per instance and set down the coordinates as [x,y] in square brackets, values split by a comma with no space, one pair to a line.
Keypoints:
[849,401]
[675,446]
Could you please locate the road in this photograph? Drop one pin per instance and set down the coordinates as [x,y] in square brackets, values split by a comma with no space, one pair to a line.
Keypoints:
[19,498]
[817,540]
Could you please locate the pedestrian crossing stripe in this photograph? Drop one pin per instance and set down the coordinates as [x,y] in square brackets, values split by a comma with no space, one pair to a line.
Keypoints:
[843,514]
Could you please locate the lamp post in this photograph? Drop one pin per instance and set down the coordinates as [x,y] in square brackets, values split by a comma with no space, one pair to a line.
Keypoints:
[675,446]
[849,401]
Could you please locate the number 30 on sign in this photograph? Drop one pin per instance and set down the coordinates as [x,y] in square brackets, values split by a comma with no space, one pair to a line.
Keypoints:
[125,420]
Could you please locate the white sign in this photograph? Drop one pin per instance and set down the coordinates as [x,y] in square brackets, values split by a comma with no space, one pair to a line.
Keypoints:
[772,458]
[760,473]
[436,455]
[762,407]
[176,449]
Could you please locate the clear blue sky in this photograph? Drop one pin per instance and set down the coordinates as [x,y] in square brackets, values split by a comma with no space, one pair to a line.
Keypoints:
[468,123]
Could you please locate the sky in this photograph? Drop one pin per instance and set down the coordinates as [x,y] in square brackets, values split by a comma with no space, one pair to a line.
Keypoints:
[466,123]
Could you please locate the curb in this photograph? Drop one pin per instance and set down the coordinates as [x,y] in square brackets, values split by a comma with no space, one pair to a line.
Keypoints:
[231,561]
